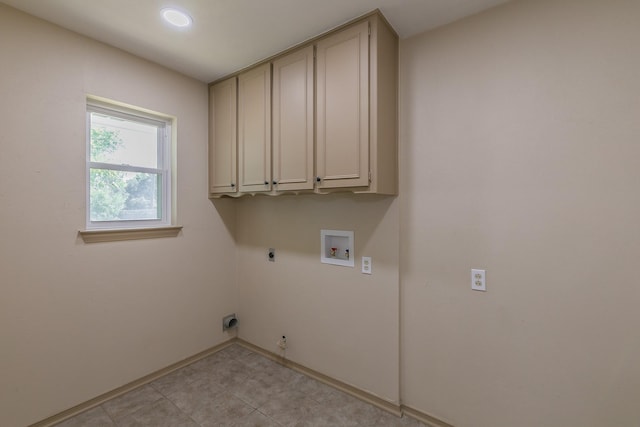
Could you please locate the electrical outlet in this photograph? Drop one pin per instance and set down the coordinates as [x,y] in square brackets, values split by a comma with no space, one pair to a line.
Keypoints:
[366,264]
[478,280]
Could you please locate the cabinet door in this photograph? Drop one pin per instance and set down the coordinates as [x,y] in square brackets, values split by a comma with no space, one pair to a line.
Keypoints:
[222,137]
[254,129]
[293,121]
[342,157]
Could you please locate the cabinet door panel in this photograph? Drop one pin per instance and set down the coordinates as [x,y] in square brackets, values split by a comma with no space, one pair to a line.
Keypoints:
[254,129]
[343,108]
[222,137]
[293,121]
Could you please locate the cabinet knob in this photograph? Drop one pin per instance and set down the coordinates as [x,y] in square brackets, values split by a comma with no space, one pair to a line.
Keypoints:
[275,182]
[232,184]
[318,179]
[266,183]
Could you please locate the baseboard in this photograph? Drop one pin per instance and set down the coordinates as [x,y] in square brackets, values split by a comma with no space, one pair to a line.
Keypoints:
[397,410]
[130,386]
[425,418]
[349,389]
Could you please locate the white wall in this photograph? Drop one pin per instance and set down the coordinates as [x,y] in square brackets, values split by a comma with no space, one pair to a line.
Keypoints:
[520,153]
[78,320]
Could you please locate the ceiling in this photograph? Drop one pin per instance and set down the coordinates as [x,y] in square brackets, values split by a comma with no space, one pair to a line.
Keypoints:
[228,35]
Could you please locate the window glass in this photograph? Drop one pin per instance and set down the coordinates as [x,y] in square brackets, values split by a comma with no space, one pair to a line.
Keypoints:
[121,141]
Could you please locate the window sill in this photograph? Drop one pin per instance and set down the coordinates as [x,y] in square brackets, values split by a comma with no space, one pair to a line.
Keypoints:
[114,235]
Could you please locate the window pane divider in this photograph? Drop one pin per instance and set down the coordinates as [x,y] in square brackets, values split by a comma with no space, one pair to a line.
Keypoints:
[124,168]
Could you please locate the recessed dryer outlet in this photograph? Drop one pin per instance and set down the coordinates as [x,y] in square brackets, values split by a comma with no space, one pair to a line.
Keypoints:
[229,322]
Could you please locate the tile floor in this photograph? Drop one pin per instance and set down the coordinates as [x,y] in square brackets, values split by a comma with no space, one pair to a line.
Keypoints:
[236,387]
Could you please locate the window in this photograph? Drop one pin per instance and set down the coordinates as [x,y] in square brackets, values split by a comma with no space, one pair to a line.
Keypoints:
[128,168]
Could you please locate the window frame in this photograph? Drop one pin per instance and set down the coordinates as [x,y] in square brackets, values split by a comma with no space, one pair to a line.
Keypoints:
[165,169]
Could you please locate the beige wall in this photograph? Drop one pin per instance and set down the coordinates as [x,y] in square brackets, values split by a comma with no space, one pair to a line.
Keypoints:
[520,148]
[78,320]
[519,139]
[338,321]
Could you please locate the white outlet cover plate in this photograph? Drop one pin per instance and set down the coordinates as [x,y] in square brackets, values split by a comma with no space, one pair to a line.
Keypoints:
[366,264]
[479,280]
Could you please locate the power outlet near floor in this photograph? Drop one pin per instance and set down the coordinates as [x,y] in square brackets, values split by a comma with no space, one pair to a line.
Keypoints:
[479,280]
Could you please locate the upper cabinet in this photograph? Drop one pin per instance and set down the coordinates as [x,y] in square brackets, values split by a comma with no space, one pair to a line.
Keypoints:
[319,118]
[293,121]
[254,129]
[222,138]
[383,107]
[342,127]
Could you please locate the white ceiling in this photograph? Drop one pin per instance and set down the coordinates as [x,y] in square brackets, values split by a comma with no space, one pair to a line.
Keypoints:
[228,35]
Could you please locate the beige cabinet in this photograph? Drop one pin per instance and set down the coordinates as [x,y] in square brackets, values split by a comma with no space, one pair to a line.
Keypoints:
[325,125]
[254,129]
[293,121]
[356,140]
[342,158]
[222,137]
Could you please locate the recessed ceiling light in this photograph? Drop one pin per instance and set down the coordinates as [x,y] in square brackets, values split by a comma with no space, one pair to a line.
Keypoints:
[176,17]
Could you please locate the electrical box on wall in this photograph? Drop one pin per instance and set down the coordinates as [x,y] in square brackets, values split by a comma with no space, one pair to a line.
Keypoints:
[336,247]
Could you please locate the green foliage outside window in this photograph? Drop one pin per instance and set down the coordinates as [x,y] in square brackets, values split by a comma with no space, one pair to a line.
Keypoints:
[112,193]
[108,187]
